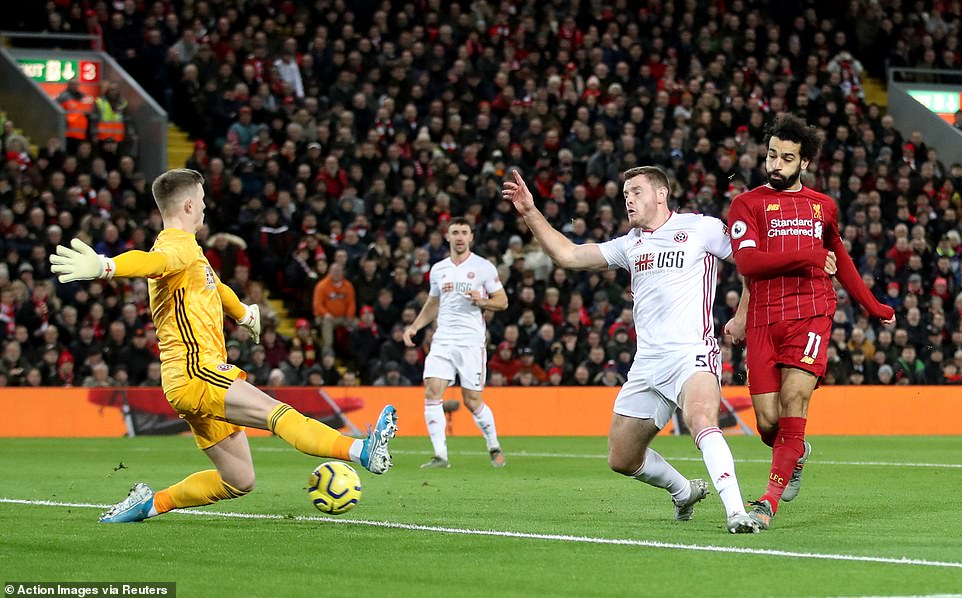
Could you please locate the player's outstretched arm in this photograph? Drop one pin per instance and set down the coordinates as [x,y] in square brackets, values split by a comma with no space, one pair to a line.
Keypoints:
[429,311]
[248,316]
[81,262]
[851,280]
[564,253]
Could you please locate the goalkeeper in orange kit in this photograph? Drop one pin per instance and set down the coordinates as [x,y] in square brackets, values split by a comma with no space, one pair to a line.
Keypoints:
[187,302]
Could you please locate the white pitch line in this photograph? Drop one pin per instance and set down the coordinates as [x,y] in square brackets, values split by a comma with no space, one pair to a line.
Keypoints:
[277,449]
[529,536]
[271,449]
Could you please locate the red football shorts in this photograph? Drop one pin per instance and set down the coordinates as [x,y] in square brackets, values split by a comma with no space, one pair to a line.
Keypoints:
[799,344]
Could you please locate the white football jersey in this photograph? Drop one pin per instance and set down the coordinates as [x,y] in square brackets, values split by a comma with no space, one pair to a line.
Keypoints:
[673,279]
[461,322]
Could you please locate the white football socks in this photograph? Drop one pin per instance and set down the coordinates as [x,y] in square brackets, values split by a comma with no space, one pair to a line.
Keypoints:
[434,418]
[660,474]
[357,447]
[484,417]
[721,467]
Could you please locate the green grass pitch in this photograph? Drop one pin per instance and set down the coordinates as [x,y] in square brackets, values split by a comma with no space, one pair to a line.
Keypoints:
[554,522]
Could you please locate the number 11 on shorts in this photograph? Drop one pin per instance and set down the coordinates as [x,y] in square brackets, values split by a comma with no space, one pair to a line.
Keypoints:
[810,354]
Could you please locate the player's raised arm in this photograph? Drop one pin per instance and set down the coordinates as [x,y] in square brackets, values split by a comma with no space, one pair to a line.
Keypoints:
[81,262]
[564,253]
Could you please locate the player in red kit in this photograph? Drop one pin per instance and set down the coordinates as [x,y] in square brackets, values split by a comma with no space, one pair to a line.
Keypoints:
[787,245]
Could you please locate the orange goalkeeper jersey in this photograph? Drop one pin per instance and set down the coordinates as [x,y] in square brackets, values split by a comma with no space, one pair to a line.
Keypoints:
[187,302]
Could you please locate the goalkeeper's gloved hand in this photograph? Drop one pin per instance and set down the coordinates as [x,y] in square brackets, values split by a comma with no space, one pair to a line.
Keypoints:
[252,321]
[80,263]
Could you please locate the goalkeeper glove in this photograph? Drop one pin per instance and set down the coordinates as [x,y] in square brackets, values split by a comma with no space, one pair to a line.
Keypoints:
[80,263]
[252,321]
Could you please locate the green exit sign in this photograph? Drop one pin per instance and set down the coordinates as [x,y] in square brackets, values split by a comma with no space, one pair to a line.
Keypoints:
[60,71]
[937,101]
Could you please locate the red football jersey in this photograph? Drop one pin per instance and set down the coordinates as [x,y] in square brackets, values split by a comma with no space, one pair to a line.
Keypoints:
[791,230]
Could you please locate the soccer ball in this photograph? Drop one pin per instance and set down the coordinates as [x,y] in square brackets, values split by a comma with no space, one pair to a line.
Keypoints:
[334,487]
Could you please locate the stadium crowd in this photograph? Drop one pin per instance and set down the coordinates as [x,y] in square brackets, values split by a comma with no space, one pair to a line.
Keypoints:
[337,139]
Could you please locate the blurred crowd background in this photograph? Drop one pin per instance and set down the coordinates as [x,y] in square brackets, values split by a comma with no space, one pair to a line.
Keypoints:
[338,138]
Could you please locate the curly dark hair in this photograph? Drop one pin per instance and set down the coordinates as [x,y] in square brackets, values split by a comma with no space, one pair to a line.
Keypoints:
[788,127]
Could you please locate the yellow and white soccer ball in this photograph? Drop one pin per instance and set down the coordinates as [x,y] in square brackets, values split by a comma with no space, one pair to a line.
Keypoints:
[334,487]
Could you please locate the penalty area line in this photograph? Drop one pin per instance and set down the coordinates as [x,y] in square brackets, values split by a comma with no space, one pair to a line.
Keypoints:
[528,535]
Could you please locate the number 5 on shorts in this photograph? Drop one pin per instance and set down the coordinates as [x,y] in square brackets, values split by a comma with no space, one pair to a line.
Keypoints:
[700,361]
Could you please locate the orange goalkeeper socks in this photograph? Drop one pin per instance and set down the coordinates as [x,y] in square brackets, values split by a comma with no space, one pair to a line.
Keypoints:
[202,488]
[309,435]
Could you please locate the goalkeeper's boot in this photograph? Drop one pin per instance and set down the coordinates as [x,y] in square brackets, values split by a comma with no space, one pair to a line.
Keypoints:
[133,508]
[436,463]
[741,523]
[684,510]
[374,455]
[762,513]
[795,483]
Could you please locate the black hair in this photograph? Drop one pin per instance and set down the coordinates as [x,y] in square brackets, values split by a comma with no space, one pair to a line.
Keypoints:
[788,127]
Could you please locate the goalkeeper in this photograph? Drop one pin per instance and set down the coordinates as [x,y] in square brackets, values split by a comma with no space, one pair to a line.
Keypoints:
[187,302]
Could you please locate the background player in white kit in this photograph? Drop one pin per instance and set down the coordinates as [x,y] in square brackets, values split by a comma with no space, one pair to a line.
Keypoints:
[462,285]
[671,258]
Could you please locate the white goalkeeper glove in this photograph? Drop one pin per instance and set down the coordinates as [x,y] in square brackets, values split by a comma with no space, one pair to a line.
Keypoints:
[80,263]
[252,321]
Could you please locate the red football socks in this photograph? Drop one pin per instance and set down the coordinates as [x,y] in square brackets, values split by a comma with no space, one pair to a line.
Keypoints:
[789,446]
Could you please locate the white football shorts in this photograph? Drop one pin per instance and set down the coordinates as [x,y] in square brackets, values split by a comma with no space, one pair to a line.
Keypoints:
[654,383]
[468,363]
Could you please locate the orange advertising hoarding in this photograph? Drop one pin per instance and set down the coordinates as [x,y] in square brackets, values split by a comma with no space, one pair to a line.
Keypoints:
[840,410]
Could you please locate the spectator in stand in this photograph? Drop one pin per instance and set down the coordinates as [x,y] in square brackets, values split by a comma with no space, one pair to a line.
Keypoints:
[369,283]
[136,357]
[225,252]
[329,371]
[274,346]
[391,376]
[293,368]
[555,376]
[187,101]
[258,370]
[100,376]
[288,70]
[504,362]
[364,341]
[305,340]
[393,348]
[528,366]
[153,375]
[908,368]
[411,365]
[240,134]
[334,304]
[609,376]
